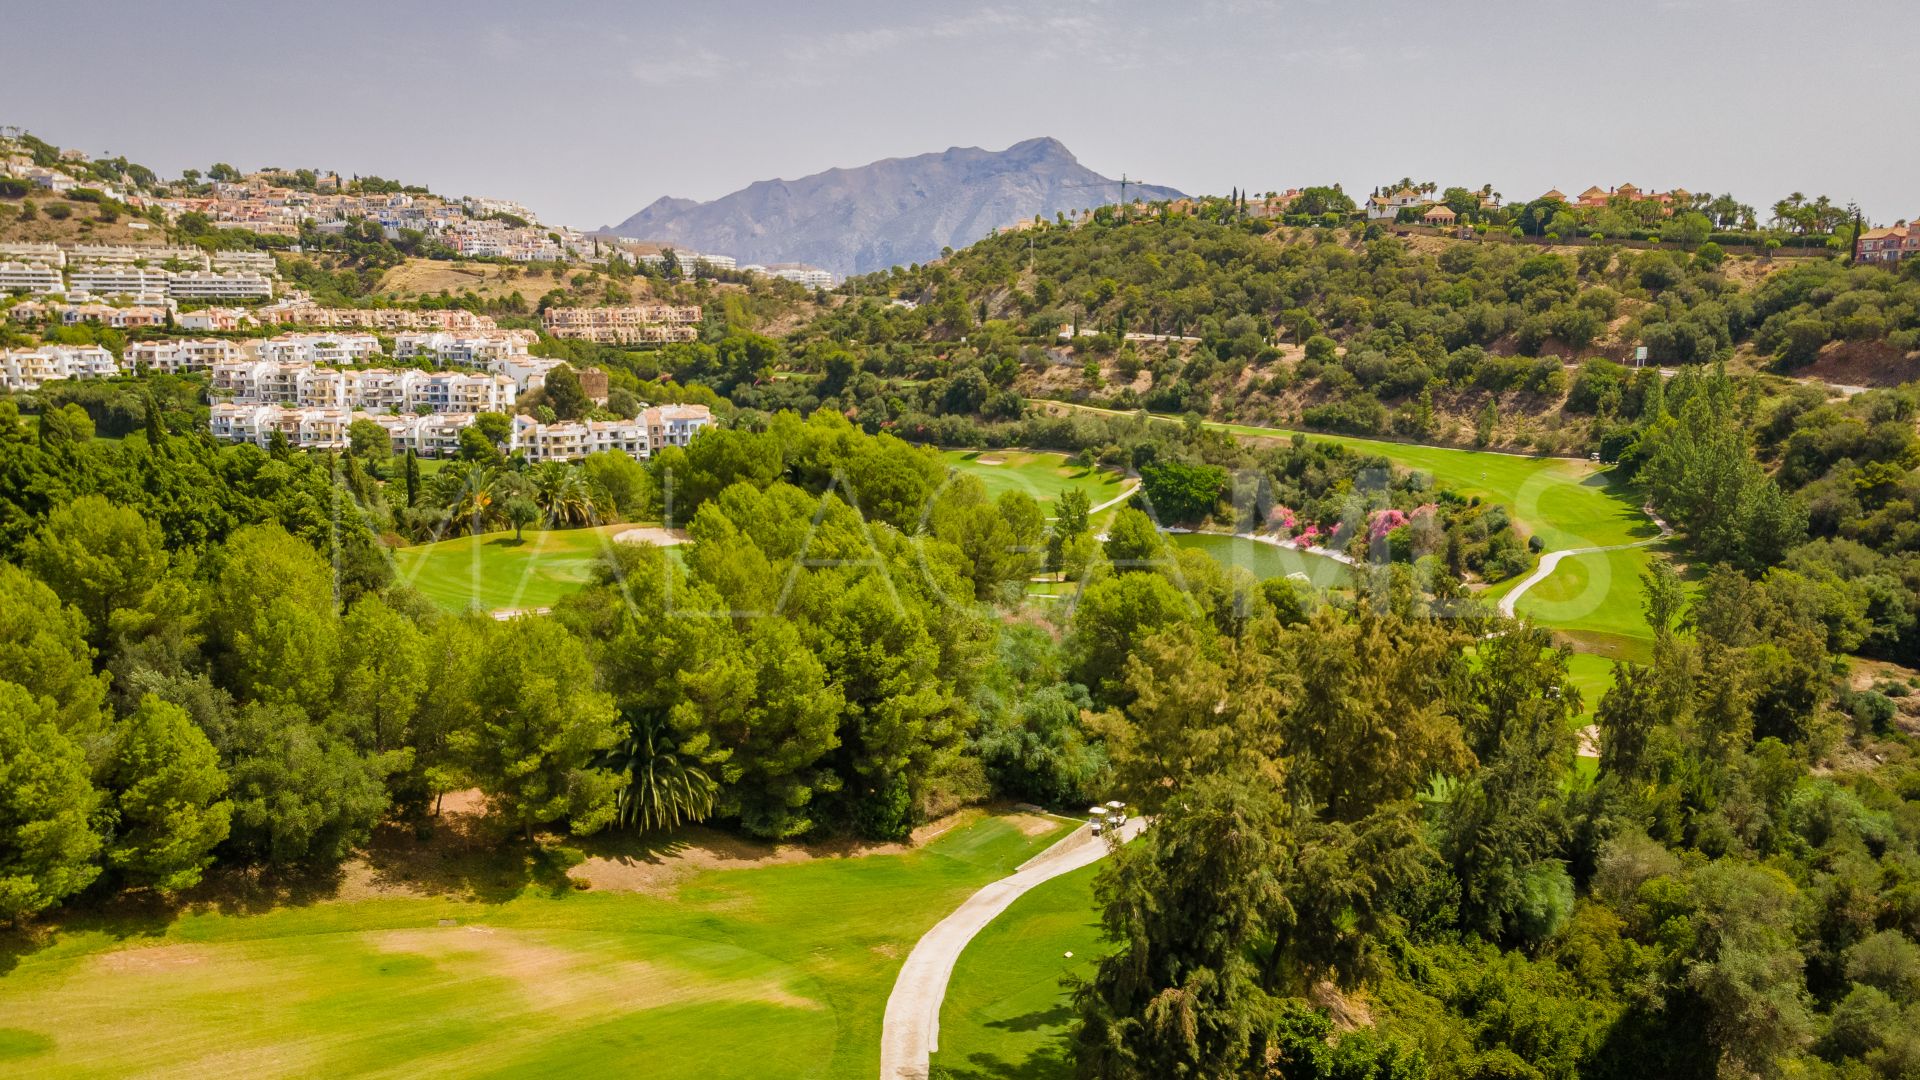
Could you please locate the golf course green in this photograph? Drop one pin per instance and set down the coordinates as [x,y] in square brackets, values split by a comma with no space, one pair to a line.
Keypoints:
[780,969]
[494,572]
[1041,474]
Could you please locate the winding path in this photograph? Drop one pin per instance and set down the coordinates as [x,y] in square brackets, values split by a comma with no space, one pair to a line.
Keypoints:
[911,1031]
[1552,559]
[1116,500]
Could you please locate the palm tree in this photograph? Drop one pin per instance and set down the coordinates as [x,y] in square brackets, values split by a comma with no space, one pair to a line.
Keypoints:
[664,788]
[561,493]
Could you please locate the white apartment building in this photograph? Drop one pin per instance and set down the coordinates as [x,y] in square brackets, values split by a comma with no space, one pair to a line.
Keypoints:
[30,277]
[306,429]
[257,262]
[29,369]
[434,435]
[299,383]
[325,427]
[655,427]
[320,348]
[573,439]
[459,392]
[37,254]
[96,255]
[470,349]
[183,354]
[112,280]
[212,285]
[258,382]
[811,277]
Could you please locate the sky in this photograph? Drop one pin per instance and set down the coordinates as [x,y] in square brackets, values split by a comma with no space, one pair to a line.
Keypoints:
[588,111]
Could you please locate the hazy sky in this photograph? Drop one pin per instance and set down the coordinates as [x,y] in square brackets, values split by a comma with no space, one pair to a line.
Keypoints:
[588,111]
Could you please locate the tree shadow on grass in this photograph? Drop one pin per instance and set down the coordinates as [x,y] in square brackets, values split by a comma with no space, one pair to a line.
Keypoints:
[125,914]
[463,854]
[1048,1062]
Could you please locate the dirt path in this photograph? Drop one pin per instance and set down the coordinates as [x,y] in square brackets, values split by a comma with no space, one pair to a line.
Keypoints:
[911,1032]
[1116,500]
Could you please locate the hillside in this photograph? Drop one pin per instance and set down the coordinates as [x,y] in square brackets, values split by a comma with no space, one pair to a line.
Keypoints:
[892,212]
[1362,332]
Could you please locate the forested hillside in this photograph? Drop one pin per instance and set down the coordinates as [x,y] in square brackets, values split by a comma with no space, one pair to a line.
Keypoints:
[1485,342]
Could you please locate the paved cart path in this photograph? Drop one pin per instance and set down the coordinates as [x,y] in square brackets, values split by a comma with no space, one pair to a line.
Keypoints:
[911,1032]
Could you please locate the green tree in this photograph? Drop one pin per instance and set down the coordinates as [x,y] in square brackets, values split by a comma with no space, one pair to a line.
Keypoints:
[43,648]
[383,675]
[1070,519]
[561,493]
[99,557]
[165,789]
[620,483]
[565,395]
[275,627]
[300,794]
[540,726]
[48,847]
[1180,995]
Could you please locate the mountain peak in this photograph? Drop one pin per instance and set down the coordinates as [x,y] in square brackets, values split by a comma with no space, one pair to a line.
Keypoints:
[887,213]
[1044,147]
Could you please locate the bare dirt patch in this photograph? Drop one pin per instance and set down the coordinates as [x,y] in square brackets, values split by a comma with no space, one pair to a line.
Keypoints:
[626,863]
[1862,363]
[1032,824]
[651,534]
[151,958]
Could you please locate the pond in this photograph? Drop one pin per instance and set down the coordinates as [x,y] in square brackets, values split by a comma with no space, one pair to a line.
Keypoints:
[1265,560]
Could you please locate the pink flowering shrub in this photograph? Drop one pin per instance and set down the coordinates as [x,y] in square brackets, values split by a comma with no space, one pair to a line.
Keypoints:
[1382,522]
[1281,519]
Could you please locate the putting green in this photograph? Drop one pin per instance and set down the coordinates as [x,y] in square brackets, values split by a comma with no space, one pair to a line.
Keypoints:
[492,571]
[1041,474]
[775,970]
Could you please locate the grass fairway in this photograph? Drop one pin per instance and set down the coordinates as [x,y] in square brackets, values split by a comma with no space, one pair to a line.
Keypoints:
[1006,1015]
[1596,600]
[491,571]
[778,970]
[1566,502]
[1040,474]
